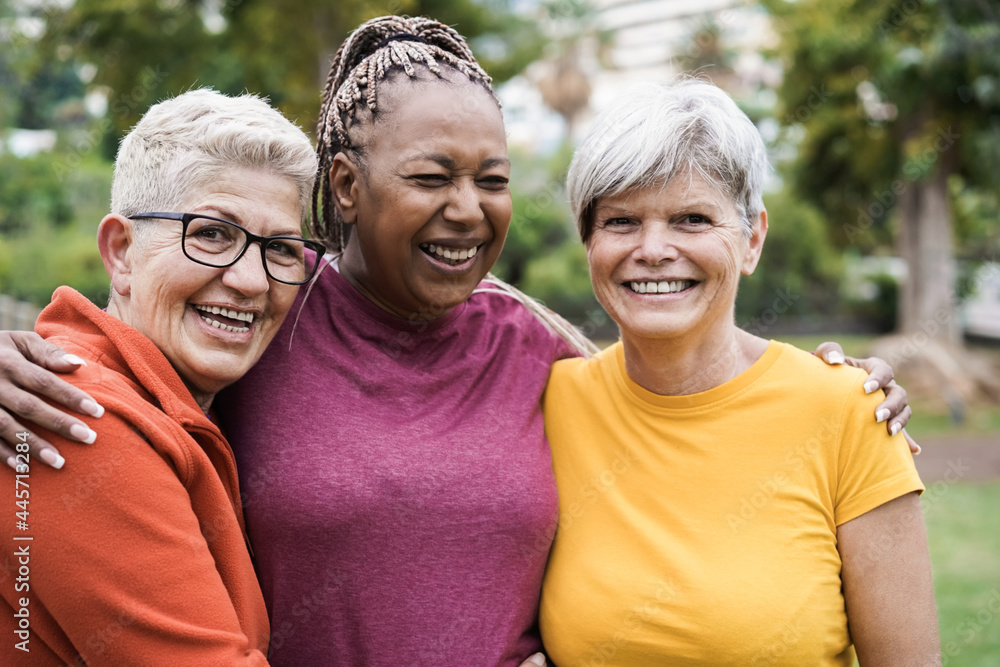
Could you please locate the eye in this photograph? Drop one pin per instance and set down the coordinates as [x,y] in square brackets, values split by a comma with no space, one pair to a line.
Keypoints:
[494,182]
[619,224]
[430,179]
[695,220]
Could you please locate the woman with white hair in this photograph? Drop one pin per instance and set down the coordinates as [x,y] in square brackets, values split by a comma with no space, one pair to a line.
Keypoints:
[140,557]
[724,499]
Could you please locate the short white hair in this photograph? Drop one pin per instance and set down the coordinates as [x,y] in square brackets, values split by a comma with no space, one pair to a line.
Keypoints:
[655,132]
[182,144]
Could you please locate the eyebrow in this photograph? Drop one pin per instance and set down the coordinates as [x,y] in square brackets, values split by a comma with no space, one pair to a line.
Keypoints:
[688,207]
[226,214]
[449,163]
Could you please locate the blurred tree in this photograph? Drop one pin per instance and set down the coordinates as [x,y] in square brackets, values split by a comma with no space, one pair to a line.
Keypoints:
[145,50]
[573,27]
[894,100]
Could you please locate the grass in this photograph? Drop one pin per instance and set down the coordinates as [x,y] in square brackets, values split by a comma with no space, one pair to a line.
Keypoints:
[963,529]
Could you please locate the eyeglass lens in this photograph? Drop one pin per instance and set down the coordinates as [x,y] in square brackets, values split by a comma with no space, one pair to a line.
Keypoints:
[218,244]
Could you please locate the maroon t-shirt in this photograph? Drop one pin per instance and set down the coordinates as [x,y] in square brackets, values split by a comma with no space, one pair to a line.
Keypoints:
[397,481]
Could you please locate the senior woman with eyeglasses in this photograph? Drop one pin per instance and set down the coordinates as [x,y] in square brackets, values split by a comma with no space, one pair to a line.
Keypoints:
[141,556]
[724,500]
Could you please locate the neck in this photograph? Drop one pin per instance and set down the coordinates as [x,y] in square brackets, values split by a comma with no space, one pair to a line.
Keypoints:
[204,399]
[352,267]
[690,364]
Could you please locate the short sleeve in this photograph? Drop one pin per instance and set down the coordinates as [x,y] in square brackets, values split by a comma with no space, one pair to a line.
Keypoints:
[872,466]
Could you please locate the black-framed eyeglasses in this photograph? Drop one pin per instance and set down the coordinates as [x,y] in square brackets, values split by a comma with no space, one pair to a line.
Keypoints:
[221,243]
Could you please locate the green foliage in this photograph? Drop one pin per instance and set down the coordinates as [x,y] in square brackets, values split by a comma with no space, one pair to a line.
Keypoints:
[881,89]
[147,50]
[799,270]
[53,214]
[543,255]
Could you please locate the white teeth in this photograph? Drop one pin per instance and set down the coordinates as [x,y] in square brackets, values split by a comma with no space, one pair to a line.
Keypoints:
[226,312]
[661,287]
[219,325]
[453,254]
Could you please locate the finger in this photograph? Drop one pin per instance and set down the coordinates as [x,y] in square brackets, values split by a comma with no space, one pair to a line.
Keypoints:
[892,408]
[21,445]
[37,350]
[830,352]
[29,407]
[914,447]
[28,376]
[537,660]
[895,425]
[880,373]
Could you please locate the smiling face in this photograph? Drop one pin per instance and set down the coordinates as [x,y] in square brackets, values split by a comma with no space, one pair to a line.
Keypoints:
[431,207]
[212,324]
[665,262]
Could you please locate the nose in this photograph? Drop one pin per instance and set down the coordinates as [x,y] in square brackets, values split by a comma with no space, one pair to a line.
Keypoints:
[464,205]
[657,243]
[247,276]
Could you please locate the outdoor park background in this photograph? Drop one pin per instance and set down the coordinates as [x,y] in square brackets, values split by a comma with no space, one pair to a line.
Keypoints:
[882,117]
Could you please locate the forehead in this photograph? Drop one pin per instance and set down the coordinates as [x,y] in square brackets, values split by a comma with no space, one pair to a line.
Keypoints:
[685,189]
[259,199]
[423,115]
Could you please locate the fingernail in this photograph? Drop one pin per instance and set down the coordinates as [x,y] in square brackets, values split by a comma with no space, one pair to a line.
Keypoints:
[73,359]
[12,462]
[870,386]
[537,659]
[882,415]
[918,449]
[895,429]
[91,408]
[834,357]
[82,433]
[51,457]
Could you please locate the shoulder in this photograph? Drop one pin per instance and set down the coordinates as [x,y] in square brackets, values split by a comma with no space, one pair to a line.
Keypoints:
[493,309]
[810,373]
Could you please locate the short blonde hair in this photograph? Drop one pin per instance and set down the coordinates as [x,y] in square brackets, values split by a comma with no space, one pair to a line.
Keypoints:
[182,144]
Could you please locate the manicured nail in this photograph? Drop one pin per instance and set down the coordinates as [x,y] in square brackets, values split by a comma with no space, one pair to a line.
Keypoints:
[882,415]
[834,357]
[918,449]
[82,433]
[537,659]
[73,359]
[52,458]
[870,386]
[12,462]
[895,429]
[91,408]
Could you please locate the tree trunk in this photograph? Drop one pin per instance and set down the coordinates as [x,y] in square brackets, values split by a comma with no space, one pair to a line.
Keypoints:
[927,300]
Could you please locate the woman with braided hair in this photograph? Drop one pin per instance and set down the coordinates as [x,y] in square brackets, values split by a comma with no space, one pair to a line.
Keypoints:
[394,471]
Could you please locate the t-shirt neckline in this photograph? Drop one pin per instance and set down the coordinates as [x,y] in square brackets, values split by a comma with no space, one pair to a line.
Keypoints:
[702,399]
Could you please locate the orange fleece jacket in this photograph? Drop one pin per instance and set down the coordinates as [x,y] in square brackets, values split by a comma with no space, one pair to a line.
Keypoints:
[137,552]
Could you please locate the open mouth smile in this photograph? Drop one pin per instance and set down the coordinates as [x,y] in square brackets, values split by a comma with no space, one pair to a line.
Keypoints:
[227,319]
[451,256]
[659,287]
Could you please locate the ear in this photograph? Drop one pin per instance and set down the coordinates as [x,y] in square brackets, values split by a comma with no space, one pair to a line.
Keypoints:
[345,182]
[115,238]
[755,244]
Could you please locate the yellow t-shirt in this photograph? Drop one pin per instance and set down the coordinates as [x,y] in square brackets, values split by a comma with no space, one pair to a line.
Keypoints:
[702,529]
